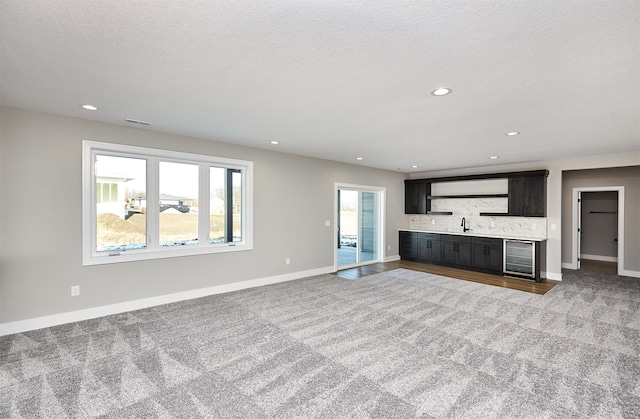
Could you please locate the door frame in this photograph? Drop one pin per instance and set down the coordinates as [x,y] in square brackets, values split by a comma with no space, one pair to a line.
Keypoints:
[575,223]
[382,205]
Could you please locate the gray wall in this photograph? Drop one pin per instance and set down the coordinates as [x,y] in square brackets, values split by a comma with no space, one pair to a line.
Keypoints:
[629,177]
[599,225]
[40,218]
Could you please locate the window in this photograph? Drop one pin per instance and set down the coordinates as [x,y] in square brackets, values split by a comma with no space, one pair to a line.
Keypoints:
[142,203]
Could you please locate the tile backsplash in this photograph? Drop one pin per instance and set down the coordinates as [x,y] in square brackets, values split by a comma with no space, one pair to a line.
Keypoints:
[470,208]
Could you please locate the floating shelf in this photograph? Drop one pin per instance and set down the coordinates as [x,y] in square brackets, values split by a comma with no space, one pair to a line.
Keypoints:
[440,212]
[494,214]
[468,196]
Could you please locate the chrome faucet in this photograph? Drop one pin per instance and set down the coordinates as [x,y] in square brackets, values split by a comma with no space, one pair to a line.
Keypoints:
[464,225]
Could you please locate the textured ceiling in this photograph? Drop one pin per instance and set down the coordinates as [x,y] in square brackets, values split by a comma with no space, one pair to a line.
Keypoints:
[341,79]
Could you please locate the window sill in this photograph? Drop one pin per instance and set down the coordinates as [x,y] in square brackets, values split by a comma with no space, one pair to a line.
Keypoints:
[103,258]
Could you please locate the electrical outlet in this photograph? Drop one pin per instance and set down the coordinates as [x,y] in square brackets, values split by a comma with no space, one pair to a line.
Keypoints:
[533,226]
[327,223]
[433,221]
[389,247]
[492,225]
[553,227]
[287,261]
[75,290]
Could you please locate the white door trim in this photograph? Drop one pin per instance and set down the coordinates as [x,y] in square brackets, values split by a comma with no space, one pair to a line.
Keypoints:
[575,214]
[382,206]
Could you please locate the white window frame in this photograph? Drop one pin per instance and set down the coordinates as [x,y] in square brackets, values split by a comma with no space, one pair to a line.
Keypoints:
[90,256]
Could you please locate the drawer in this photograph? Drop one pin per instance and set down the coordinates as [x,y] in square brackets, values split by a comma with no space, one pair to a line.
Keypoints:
[454,238]
[410,235]
[486,241]
[429,236]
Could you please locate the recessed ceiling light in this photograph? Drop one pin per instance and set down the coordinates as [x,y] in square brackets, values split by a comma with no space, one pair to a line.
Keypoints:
[359,158]
[494,157]
[89,107]
[512,133]
[274,142]
[441,91]
[414,166]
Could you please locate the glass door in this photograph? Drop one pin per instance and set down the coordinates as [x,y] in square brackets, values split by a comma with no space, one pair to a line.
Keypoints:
[368,227]
[358,222]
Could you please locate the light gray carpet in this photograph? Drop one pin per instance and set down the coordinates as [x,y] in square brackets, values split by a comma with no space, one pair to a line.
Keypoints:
[397,344]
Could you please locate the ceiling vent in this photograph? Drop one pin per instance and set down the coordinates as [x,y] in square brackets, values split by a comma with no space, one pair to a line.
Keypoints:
[136,121]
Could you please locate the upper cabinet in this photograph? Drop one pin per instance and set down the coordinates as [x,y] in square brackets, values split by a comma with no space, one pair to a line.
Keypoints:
[528,196]
[527,192]
[415,196]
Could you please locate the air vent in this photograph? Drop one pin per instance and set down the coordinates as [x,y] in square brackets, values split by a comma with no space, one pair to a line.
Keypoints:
[135,121]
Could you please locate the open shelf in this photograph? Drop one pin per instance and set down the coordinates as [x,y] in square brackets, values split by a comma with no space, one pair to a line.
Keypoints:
[468,196]
[440,212]
[494,214]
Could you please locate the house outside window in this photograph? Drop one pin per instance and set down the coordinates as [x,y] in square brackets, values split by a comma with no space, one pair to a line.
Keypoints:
[141,203]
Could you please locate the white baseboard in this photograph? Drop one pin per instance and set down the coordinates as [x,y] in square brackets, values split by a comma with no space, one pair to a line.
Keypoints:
[599,258]
[92,313]
[392,258]
[552,275]
[633,274]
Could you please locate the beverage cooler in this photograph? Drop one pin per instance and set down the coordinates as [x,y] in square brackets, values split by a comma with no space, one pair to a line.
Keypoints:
[519,258]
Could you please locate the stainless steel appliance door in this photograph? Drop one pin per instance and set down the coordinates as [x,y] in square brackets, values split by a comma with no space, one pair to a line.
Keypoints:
[519,258]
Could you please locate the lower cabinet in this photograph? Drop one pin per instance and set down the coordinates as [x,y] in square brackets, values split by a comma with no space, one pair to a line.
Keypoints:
[467,252]
[456,250]
[487,254]
[409,245]
[429,249]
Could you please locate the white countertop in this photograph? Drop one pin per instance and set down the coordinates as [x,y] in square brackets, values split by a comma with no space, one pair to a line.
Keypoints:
[474,234]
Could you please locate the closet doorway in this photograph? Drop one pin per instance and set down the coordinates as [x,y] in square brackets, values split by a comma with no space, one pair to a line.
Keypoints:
[598,225]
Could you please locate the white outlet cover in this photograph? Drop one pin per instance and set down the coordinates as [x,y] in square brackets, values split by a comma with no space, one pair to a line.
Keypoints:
[327,223]
[433,221]
[533,226]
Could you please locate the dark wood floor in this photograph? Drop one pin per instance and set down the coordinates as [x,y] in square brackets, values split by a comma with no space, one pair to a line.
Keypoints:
[500,281]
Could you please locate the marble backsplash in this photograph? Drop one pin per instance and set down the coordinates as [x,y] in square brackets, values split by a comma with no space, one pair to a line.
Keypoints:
[470,209]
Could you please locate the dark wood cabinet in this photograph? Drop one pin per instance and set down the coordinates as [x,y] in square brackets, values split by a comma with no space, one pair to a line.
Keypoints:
[487,254]
[537,186]
[408,245]
[456,250]
[415,196]
[483,254]
[429,247]
[528,196]
[527,193]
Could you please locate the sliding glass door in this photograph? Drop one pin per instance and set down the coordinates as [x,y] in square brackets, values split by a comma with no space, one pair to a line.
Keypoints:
[359,224]
[368,226]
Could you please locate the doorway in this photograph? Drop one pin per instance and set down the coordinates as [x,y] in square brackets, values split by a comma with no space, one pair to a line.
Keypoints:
[359,225]
[598,225]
